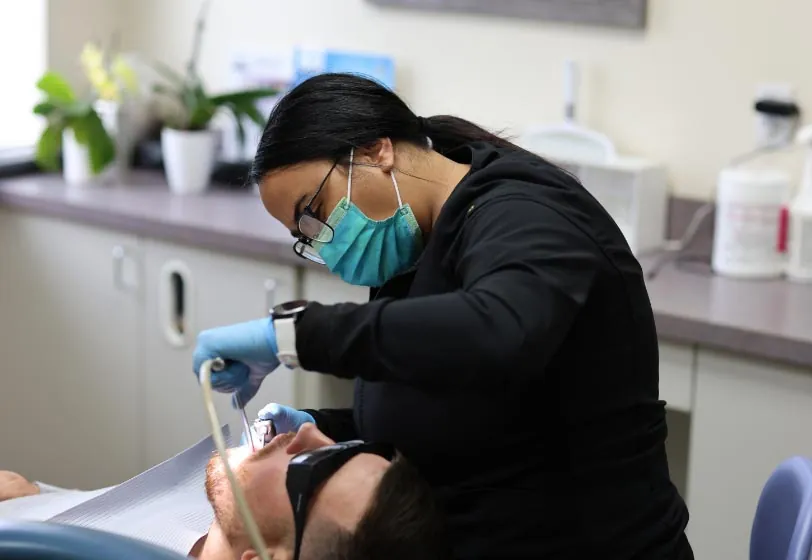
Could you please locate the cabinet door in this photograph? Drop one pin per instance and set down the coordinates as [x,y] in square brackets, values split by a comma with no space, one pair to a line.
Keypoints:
[70,391]
[748,416]
[677,375]
[189,290]
[319,390]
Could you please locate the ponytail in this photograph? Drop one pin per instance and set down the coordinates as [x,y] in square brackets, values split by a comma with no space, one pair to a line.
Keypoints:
[448,133]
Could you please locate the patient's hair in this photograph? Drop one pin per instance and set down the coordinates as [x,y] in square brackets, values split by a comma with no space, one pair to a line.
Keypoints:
[403,522]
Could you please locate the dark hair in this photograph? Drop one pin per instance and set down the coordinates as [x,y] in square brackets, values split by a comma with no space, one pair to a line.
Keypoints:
[402,523]
[326,115]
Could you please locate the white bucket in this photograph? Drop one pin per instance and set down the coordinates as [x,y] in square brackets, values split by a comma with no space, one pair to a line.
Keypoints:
[750,210]
[188,159]
[75,160]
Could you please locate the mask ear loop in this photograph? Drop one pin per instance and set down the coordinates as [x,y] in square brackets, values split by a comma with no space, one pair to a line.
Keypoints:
[349,176]
[397,190]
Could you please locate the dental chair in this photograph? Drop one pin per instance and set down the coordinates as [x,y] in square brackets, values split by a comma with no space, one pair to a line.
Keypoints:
[782,528]
[29,540]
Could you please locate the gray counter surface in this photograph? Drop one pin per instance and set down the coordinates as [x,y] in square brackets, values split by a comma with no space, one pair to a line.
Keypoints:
[767,319]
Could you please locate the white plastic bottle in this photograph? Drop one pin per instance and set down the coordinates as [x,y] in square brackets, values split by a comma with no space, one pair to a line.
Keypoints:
[747,237]
[799,265]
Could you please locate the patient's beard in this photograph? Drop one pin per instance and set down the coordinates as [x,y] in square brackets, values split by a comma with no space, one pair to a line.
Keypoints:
[220,496]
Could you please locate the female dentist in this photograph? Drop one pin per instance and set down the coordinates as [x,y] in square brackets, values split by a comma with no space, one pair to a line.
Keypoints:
[508,350]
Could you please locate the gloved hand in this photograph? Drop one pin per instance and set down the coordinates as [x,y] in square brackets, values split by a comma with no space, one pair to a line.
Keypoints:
[285,419]
[249,350]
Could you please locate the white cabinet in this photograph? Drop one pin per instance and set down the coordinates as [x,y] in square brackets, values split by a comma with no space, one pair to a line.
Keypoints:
[677,375]
[71,400]
[189,290]
[677,378]
[748,416]
[319,390]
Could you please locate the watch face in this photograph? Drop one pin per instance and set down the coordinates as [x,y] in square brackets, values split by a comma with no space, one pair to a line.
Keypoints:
[289,309]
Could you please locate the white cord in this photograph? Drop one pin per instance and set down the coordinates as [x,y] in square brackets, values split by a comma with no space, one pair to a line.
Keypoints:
[673,247]
[219,441]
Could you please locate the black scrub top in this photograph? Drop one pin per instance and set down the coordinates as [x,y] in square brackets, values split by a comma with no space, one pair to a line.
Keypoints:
[516,365]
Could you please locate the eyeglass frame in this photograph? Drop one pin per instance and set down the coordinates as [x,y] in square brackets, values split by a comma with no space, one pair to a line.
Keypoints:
[304,241]
[308,470]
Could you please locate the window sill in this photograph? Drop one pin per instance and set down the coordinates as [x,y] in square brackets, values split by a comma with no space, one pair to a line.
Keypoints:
[17,161]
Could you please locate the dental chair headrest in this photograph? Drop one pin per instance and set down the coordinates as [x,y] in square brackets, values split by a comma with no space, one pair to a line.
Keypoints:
[29,540]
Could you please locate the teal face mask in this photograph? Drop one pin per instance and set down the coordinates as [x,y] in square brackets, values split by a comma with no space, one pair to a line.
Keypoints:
[367,252]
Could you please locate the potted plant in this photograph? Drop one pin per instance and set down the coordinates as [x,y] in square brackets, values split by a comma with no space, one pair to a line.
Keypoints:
[115,84]
[188,143]
[74,128]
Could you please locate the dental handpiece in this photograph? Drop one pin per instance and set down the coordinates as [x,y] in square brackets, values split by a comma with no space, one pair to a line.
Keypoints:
[218,364]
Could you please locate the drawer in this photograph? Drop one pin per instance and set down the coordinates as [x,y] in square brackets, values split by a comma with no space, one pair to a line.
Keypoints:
[677,375]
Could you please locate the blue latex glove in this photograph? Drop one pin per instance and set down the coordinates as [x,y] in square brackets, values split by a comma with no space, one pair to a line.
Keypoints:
[285,419]
[249,350]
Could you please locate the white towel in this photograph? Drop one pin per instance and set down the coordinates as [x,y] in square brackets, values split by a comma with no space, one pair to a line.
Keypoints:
[165,505]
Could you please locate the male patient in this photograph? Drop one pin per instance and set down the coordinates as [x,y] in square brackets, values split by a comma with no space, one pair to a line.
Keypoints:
[368,508]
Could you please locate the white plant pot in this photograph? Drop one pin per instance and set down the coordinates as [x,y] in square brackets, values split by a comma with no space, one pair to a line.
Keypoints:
[188,159]
[75,160]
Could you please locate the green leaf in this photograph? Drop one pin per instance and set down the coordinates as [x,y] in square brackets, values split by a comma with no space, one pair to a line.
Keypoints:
[48,147]
[44,109]
[201,109]
[249,95]
[56,88]
[168,73]
[249,110]
[240,128]
[90,132]
[201,117]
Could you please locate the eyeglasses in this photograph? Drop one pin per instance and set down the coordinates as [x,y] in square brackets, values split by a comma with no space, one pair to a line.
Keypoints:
[311,229]
[308,470]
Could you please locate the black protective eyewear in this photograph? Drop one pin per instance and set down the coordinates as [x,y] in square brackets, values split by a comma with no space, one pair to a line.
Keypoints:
[312,229]
[308,470]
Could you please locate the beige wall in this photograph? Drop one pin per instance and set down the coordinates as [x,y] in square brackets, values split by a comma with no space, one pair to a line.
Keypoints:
[71,23]
[681,92]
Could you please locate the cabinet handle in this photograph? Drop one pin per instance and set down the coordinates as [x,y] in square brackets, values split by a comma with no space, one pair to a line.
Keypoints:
[120,255]
[270,294]
[175,303]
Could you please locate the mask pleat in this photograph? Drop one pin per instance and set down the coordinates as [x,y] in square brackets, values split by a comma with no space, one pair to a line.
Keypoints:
[368,253]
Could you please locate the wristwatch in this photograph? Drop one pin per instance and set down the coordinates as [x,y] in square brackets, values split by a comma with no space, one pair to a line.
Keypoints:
[284,317]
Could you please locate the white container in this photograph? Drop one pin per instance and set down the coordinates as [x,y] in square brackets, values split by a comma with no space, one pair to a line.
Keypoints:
[750,218]
[188,159]
[75,160]
[635,193]
[799,267]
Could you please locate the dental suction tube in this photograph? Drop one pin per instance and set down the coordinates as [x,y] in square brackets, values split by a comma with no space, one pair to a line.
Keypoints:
[251,526]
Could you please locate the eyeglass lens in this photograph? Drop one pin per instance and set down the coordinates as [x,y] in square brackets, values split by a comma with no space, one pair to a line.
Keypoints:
[314,229]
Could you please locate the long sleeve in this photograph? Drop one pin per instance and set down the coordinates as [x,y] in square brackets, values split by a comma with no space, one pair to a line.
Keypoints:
[336,423]
[525,271]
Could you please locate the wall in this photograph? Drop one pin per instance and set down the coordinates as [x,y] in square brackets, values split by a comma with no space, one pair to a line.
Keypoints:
[72,23]
[681,92]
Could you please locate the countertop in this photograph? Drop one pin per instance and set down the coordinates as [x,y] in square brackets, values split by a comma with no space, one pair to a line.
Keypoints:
[766,319]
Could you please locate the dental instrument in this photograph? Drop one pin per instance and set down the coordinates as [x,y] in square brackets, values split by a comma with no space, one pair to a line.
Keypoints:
[263,432]
[251,526]
[218,364]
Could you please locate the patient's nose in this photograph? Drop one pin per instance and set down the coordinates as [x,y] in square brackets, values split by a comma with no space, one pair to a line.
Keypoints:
[308,438]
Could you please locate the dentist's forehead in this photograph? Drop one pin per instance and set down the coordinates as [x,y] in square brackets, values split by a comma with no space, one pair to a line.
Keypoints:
[286,191]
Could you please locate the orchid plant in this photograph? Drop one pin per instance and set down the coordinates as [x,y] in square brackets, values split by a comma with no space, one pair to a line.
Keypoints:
[196,106]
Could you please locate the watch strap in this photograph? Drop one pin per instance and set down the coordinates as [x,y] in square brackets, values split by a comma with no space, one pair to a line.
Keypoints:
[285,328]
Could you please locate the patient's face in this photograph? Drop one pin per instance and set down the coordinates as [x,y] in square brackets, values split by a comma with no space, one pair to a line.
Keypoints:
[341,500]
